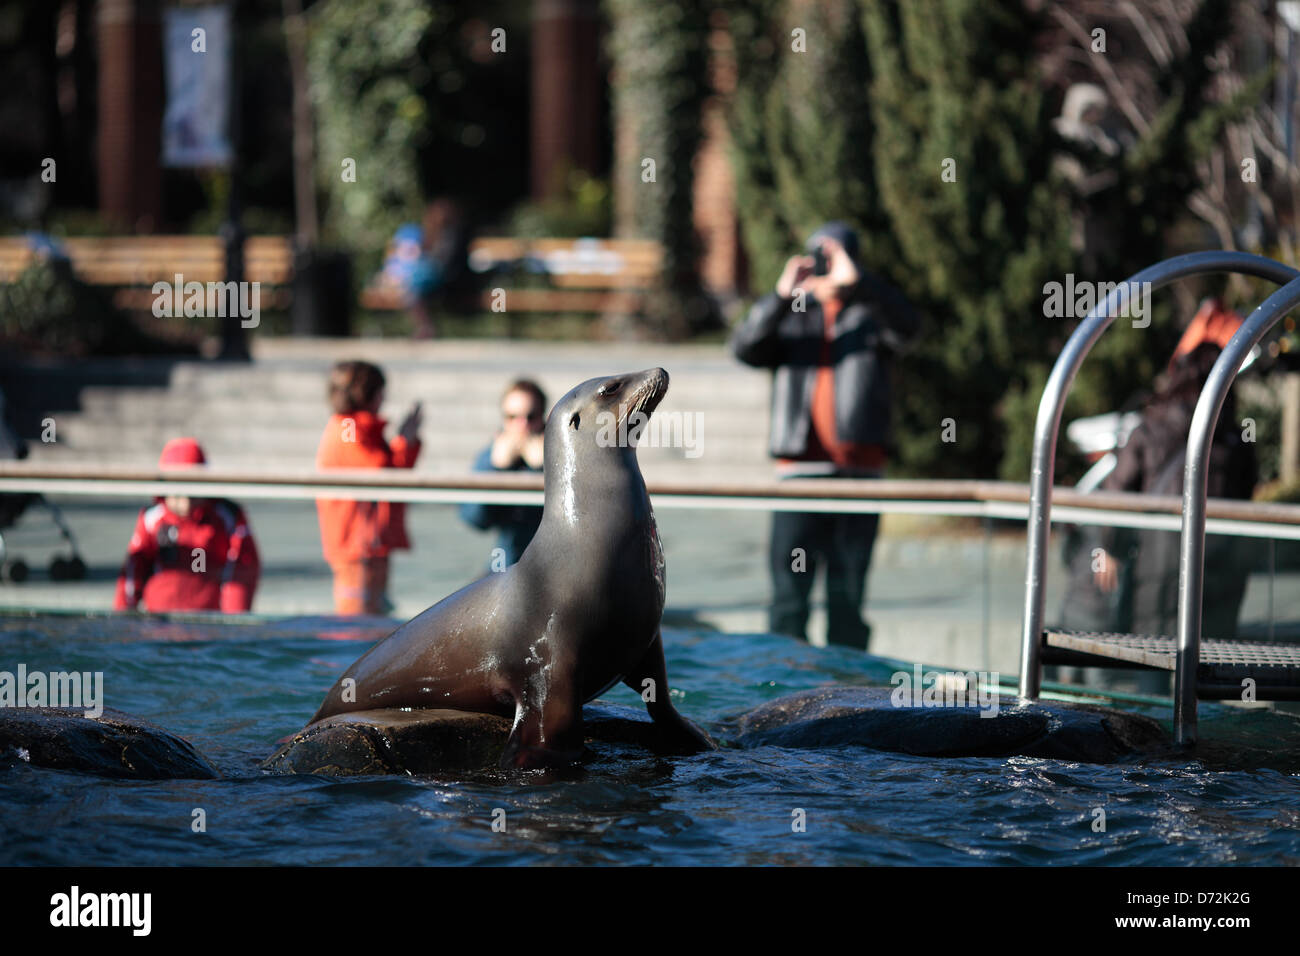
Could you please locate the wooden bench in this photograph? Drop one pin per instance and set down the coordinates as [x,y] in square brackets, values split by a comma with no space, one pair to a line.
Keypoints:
[132,264]
[584,275]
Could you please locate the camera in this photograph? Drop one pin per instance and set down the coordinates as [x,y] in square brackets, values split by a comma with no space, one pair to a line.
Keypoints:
[821,265]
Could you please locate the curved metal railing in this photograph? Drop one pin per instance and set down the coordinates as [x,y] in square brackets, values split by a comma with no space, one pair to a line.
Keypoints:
[1049,422]
[1191,561]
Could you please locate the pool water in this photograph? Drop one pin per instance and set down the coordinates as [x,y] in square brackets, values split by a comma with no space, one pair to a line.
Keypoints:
[233,688]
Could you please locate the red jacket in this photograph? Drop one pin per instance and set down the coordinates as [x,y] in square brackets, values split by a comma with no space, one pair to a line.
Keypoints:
[206,561]
[353,530]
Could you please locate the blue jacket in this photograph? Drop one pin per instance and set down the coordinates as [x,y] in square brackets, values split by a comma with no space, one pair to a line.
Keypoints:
[517,523]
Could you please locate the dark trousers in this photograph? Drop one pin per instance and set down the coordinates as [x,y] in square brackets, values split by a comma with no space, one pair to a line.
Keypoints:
[840,542]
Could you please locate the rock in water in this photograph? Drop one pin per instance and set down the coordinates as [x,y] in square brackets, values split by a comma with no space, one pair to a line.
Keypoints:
[392,741]
[113,744]
[868,717]
[395,741]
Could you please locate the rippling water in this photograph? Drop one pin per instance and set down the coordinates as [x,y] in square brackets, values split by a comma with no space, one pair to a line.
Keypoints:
[233,689]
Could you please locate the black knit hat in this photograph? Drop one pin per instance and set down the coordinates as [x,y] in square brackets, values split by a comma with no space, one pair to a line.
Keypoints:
[839,231]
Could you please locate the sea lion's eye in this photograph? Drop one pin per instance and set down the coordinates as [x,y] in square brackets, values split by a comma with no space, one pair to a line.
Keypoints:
[610,388]
[573,422]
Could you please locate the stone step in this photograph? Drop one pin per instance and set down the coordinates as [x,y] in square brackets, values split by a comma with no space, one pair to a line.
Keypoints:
[270,413]
[724,395]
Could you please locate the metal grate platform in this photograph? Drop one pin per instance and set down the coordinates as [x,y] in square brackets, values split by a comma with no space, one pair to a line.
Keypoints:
[1273,666]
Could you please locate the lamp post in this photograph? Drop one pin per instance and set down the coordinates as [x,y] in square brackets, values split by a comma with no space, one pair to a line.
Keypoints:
[234,340]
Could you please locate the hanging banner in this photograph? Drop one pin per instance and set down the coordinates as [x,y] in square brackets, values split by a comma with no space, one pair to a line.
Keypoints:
[196,58]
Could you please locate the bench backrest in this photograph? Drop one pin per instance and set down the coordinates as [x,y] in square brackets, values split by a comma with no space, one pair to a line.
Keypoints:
[576,263]
[144,260]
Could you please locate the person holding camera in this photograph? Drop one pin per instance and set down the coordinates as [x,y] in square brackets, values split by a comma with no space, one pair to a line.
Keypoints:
[828,332]
[358,536]
[516,447]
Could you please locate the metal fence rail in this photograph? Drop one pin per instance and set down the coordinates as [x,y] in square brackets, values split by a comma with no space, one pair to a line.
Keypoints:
[980,499]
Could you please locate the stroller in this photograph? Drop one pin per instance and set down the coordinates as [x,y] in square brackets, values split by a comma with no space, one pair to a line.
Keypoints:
[12,507]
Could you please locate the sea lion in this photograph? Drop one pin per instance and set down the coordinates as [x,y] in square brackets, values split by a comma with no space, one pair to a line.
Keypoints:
[578,613]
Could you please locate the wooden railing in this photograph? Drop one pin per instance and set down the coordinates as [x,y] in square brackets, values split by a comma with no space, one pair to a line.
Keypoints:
[991,499]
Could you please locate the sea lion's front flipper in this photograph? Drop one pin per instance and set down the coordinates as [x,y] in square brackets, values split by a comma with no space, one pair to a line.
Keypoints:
[676,733]
[545,738]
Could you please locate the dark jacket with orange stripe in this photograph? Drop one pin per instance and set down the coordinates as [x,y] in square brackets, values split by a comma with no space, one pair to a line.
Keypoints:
[206,561]
[874,323]
[355,530]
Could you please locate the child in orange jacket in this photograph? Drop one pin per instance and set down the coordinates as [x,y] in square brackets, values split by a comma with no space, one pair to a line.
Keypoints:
[357,536]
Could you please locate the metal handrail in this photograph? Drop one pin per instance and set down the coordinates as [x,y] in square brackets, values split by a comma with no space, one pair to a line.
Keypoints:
[974,498]
[1191,560]
[1048,424]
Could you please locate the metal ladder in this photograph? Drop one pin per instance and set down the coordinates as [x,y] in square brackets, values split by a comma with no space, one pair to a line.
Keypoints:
[1210,675]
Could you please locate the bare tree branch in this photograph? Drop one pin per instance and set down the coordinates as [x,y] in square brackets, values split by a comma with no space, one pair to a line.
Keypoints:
[1108,76]
[1154,42]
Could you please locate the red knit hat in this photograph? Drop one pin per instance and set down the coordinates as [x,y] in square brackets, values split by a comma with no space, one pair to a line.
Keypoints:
[181,453]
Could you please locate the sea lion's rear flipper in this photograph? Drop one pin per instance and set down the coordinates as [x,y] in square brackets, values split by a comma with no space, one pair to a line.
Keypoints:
[550,738]
[676,734]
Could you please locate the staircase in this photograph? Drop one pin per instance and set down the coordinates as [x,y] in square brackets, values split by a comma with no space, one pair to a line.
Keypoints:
[269,414]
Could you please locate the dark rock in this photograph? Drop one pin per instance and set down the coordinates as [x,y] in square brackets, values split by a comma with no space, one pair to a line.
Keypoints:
[113,744]
[1090,733]
[868,717]
[393,741]
[428,741]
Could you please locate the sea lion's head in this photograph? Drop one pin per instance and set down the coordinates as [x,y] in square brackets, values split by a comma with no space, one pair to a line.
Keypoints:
[608,412]
[594,428]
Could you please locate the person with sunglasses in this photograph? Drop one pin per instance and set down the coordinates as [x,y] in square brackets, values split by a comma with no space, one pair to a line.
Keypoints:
[517,447]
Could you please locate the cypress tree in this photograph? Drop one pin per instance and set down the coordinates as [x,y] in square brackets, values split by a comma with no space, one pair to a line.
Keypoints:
[963,155]
[802,133]
[660,84]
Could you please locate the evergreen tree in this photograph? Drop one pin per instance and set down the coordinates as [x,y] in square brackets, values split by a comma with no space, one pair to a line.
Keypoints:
[963,159]
[661,80]
[410,90]
[365,69]
[927,126]
[802,133]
